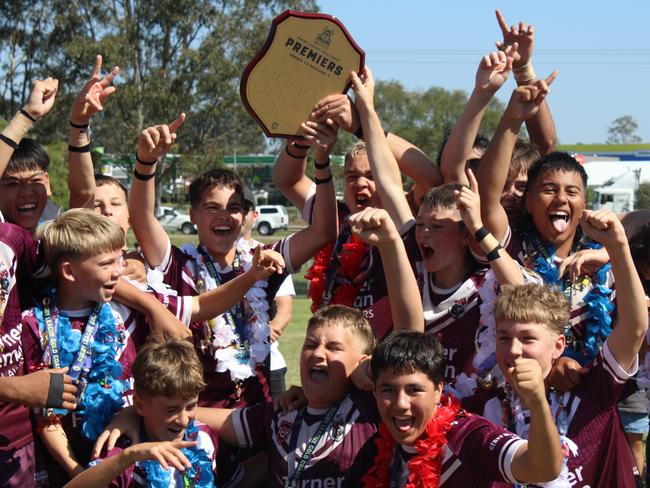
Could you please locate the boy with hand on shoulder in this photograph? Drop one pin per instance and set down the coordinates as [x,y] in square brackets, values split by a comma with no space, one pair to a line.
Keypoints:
[174,447]
[427,440]
[531,321]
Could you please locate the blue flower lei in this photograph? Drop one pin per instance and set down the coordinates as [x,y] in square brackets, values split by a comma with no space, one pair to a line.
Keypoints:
[199,475]
[102,396]
[599,306]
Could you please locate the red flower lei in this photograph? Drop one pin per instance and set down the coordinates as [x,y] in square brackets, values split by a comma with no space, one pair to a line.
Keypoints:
[349,262]
[424,467]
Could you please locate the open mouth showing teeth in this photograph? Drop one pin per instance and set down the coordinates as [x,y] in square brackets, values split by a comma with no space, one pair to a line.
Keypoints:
[559,220]
[403,424]
[222,229]
[27,207]
[362,201]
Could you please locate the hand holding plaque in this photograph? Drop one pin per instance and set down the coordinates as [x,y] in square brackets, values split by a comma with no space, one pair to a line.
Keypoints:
[305,58]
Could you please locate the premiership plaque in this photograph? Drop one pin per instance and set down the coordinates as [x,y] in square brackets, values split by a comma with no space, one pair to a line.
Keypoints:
[305,58]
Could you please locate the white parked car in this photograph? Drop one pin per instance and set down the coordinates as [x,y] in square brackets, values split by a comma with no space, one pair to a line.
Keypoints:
[271,218]
[173,220]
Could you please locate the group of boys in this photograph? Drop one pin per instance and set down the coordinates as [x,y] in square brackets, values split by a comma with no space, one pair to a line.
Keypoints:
[457,339]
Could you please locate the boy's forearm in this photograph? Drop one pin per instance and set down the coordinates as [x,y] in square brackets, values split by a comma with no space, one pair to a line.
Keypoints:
[412,161]
[102,474]
[219,420]
[542,460]
[10,391]
[289,176]
[56,443]
[403,292]
[284,312]
[461,140]
[384,169]
[541,127]
[210,304]
[81,176]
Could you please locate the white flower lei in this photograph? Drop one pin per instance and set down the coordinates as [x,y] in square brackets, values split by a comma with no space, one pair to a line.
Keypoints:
[224,341]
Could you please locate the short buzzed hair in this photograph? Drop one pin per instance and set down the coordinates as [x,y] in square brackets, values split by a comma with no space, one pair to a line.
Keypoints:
[79,232]
[349,318]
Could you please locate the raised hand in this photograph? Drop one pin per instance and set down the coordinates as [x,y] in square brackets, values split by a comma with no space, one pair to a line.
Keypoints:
[525,100]
[521,34]
[93,95]
[321,137]
[125,422]
[603,226]
[364,89]
[266,262]
[34,389]
[583,262]
[340,109]
[494,69]
[373,226]
[41,98]
[469,203]
[154,142]
[168,454]
[527,380]
[290,400]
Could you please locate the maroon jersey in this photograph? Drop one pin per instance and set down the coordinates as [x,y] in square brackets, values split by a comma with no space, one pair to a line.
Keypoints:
[522,247]
[477,454]
[134,476]
[184,270]
[352,426]
[596,452]
[19,252]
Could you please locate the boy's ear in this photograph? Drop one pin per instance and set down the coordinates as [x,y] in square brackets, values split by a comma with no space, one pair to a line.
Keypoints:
[191,212]
[46,181]
[560,344]
[138,404]
[66,271]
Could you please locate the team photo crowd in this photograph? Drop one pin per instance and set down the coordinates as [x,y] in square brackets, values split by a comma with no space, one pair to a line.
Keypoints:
[474,323]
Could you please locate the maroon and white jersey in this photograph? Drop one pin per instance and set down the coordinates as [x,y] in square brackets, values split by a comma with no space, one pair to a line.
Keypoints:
[597,452]
[184,271]
[522,248]
[134,476]
[478,453]
[352,427]
[19,251]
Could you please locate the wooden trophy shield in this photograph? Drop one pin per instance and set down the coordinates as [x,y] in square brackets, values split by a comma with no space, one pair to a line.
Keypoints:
[305,58]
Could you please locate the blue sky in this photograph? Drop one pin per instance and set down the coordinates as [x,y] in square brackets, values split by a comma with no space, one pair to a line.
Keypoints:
[600,49]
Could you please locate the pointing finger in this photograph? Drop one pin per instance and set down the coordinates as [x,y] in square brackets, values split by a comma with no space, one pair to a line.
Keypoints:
[98,66]
[180,120]
[551,78]
[502,22]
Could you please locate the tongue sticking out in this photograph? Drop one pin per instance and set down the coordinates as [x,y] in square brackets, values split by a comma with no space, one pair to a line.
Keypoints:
[560,225]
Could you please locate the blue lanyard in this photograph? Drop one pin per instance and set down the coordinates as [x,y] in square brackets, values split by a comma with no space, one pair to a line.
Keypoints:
[235,322]
[82,363]
[293,478]
[395,470]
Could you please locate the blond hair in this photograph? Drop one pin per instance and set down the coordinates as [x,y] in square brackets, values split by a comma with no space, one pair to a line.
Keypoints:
[168,369]
[533,303]
[356,150]
[524,154]
[348,318]
[79,232]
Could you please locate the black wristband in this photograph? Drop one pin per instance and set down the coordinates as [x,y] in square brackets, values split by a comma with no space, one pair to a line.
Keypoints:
[301,146]
[8,142]
[146,163]
[322,181]
[480,234]
[79,126]
[79,149]
[494,253]
[324,165]
[27,115]
[142,177]
[286,148]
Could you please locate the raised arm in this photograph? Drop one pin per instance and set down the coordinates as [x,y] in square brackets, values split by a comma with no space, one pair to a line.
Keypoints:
[411,160]
[219,420]
[289,173]
[506,270]
[493,170]
[374,226]
[153,144]
[90,100]
[40,102]
[541,127]
[632,324]
[385,171]
[324,225]
[492,73]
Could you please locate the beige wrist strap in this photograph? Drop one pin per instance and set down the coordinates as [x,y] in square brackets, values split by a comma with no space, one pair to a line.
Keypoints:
[524,74]
[16,129]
